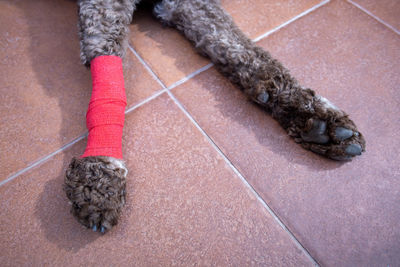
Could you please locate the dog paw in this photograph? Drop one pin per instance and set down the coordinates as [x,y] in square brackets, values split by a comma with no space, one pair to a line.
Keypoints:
[95,187]
[315,123]
[336,138]
[327,130]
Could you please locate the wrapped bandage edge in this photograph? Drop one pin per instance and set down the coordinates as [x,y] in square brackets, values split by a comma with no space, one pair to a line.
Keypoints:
[106,112]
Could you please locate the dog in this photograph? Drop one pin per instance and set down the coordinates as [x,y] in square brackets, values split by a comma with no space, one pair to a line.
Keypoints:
[95,185]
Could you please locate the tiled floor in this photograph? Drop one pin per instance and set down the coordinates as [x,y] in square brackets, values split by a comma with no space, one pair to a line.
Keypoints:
[213,179]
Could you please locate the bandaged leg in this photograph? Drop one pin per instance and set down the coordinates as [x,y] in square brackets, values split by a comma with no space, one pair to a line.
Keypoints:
[95,183]
[106,113]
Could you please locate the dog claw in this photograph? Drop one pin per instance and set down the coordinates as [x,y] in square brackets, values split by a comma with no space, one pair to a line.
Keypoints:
[263,98]
[343,133]
[353,150]
[94,228]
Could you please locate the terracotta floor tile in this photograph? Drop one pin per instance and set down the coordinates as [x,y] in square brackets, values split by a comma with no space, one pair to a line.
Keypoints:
[164,49]
[44,88]
[344,214]
[185,206]
[387,10]
[256,17]
[172,57]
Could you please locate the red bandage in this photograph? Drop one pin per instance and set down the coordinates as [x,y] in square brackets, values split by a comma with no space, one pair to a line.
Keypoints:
[105,116]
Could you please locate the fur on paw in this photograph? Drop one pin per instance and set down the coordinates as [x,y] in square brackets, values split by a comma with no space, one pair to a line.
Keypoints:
[95,187]
[327,130]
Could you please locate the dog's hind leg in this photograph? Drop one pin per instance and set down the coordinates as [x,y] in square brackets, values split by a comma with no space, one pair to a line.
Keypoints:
[95,185]
[309,118]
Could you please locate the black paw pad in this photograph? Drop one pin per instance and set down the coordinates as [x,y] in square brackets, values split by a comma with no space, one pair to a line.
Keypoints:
[317,133]
[343,133]
[353,150]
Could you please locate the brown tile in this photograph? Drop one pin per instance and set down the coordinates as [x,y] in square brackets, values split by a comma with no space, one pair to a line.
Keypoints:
[172,57]
[342,213]
[185,207]
[164,49]
[139,84]
[256,17]
[387,10]
[44,88]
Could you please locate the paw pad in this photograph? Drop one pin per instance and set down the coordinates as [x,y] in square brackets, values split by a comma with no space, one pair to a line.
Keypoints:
[317,134]
[353,150]
[343,133]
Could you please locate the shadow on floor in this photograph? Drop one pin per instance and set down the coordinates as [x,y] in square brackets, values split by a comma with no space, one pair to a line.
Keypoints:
[54,53]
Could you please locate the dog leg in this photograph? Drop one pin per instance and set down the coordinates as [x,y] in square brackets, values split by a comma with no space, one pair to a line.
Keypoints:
[309,118]
[95,185]
[103,27]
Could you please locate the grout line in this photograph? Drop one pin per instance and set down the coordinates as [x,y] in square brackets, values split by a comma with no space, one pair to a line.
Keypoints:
[155,77]
[290,21]
[245,182]
[175,84]
[40,161]
[145,101]
[152,73]
[191,75]
[375,17]
[224,157]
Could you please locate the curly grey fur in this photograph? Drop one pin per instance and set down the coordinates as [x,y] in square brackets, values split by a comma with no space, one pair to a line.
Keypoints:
[95,187]
[261,77]
[103,27]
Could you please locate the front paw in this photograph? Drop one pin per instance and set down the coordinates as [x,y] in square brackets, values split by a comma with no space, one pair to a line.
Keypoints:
[95,187]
